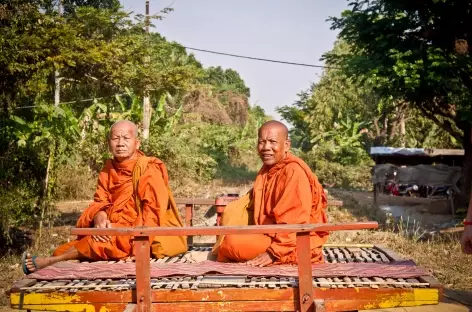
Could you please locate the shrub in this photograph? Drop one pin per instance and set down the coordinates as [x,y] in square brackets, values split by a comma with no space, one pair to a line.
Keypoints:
[18,208]
[334,174]
[182,152]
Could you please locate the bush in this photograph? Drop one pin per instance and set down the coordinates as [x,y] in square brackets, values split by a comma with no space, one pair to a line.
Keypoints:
[348,177]
[201,151]
[18,208]
[182,152]
[334,174]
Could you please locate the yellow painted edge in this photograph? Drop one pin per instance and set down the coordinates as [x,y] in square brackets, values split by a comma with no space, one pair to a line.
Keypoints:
[44,298]
[431,294]
[66,302]
[60,307]
[411,299]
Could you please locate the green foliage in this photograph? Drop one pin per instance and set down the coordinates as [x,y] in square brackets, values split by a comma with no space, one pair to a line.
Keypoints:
[52,125]
[50,134]
[226,80]
[333,174]
[342,116]
[199,151]
[18,209]
[20,183]
[106,63]
[70,6]
[415,52]
[183,154]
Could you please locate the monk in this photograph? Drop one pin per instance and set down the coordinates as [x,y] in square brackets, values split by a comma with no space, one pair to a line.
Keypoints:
[285,192]
[132,190]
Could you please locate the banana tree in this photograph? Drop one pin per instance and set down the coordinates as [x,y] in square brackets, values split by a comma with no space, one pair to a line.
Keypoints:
[53,131]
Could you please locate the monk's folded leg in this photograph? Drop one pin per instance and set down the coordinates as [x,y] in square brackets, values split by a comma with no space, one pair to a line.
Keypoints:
[119,247]
[64,247]
[242,248]
[63,253]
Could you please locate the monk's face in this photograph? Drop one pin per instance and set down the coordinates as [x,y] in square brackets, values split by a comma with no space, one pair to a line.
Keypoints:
[123,142]
[272,145]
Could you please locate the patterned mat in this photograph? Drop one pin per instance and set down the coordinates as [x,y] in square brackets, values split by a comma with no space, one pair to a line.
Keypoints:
[90,271]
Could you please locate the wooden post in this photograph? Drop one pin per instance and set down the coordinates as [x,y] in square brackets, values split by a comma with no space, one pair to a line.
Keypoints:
[57,78]
[305,279]
[143,273]
[189,221]
[146,99]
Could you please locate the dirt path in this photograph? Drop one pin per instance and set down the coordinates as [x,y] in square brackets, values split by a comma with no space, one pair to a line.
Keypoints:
[409,213]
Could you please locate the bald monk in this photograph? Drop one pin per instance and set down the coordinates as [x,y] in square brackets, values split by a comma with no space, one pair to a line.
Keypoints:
[132,190]
[285,192]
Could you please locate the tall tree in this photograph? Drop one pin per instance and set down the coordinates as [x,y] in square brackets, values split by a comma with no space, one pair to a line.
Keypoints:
[226,80]
[416,52]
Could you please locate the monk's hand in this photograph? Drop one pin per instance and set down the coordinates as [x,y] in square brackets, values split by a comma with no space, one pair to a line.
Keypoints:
[466,240]
[101,221]
[264,259]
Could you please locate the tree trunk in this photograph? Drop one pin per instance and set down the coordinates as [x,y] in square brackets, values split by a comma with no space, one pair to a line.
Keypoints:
[57,88]
[465,182]
[146,117]
[466,177]
[44,200]
[402,130]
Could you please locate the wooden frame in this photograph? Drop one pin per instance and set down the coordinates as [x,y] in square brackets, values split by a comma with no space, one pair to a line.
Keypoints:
[142,234]
[25,295]
[302,298]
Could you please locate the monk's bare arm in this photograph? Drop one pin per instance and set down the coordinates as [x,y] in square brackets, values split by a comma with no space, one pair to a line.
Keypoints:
[293,207]
[101,199]
[154,196]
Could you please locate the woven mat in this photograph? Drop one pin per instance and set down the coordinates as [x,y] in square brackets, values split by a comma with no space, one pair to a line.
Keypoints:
[91,271]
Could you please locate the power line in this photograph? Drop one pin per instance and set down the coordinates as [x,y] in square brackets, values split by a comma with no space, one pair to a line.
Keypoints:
[261,59]
[77,101]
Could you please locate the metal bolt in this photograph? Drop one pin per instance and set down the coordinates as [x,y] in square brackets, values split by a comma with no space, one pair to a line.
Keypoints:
[306,298]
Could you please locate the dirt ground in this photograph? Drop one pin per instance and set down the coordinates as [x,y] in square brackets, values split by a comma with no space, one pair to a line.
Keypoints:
[412,213]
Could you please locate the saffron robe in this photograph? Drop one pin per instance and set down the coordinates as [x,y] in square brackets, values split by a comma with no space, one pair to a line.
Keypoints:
[286,193]
[132,193]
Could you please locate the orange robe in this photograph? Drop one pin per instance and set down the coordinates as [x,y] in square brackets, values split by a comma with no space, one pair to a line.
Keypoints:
[116,196]
[286,193]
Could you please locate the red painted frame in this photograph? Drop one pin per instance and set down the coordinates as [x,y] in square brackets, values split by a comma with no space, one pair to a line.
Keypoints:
[142,249]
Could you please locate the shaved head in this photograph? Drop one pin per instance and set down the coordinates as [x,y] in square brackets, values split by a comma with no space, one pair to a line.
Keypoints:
[123,140]
[273,143]
[274,124]
[125,123]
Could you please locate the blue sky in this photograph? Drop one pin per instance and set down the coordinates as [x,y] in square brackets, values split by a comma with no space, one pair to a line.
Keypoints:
[294,31]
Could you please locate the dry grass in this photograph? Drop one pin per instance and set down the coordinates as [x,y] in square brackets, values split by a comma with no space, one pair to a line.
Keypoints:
[75,183]
[441,255]
[10,269]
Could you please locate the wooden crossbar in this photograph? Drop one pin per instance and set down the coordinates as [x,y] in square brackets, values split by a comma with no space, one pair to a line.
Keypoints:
[143,253]
[225,230]
[211,202]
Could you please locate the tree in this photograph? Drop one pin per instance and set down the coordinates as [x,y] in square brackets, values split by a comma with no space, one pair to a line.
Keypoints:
[71,5]
[53,131]
[226,80]
[417,53]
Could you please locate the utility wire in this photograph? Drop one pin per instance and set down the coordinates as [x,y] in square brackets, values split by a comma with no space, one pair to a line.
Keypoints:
[72,102]
[260,59]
